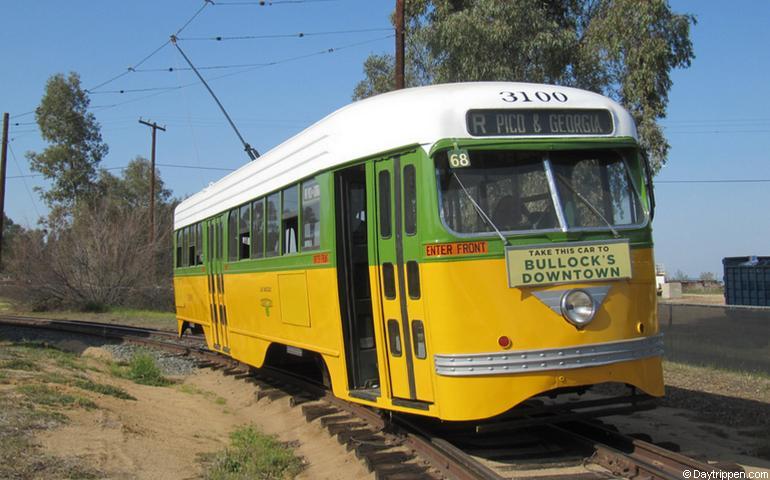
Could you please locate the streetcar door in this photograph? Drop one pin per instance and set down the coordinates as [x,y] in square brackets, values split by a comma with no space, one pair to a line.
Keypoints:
[353,280]
[216,284]
[398,252]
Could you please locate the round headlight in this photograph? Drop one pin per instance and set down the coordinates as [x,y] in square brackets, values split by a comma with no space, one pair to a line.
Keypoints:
[578,307]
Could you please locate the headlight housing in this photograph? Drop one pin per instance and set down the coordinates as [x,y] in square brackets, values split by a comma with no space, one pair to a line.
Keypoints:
[578,307]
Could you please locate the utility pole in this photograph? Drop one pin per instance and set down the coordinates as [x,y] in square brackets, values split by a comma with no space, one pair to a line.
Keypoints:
[155,127]
[3,158]
[399,44]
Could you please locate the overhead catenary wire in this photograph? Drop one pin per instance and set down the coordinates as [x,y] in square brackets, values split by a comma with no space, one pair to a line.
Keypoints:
[133,67]
[26,187]
[265,3]
[222,38]
[247,67]
[168,165]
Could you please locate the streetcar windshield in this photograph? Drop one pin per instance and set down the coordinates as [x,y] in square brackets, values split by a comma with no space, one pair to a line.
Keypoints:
[515,191]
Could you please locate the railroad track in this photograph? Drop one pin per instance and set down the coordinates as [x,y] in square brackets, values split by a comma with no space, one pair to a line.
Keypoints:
[399,447]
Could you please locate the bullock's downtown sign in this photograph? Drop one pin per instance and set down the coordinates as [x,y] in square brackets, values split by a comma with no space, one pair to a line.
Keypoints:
[568,263]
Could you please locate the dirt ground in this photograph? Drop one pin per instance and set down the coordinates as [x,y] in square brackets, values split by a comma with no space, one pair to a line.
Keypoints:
[714,415]
[163,432]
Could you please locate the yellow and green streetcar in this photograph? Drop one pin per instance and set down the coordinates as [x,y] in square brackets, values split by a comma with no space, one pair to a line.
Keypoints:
[448,251]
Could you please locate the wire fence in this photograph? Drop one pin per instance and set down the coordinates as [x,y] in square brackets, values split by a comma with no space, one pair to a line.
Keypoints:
[729,337]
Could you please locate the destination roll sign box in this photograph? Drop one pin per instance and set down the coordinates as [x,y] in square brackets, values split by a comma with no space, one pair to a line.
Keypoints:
[513,122]
[533,265]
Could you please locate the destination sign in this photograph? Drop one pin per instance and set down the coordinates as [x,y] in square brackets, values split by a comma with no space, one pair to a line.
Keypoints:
[579,262]
[514,122]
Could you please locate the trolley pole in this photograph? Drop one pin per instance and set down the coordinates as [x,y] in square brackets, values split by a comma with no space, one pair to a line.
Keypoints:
[3,158]
[155,127]
[400,44]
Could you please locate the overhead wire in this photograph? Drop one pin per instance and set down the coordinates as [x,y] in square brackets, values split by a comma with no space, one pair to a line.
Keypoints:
[246,67]
[221,38]
[264,3]
[21,173]
[133,67]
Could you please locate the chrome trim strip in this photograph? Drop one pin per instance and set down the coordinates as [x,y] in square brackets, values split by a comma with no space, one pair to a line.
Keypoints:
[548,359]
[552,298]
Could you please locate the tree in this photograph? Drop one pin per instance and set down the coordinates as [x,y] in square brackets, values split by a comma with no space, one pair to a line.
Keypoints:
[678,276]
[11,230]
[132,189]
[76,146]
[707,277]
[624,49]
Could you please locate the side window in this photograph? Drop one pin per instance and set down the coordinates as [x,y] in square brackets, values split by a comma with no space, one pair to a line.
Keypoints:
[257,228]
[272,248]
[232,235]
[385,222]
[311,215]
[179,246]
[199,244]
[191,246]
[290,219]
[244,233]
[410,200]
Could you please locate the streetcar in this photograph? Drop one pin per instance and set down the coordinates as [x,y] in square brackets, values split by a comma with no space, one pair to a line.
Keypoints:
[448,251]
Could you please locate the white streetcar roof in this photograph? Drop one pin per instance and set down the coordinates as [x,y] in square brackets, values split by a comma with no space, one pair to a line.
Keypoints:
[420,115]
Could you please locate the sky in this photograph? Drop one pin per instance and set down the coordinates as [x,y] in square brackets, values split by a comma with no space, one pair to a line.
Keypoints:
[718,121]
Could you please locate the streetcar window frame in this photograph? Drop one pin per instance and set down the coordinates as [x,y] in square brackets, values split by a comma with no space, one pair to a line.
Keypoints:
[310,208]
[199,243]
[385,204]
[627,154]
[258,228]
[244,231]
[274,250]
[290,220]
[410,199]
[179,247]
[232,234]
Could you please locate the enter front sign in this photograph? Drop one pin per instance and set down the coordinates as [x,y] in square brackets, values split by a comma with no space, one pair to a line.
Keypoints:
[568,263]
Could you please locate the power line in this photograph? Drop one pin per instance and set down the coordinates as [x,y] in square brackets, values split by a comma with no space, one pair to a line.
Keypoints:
[26,187]
[246,66]
[133,67]
[188,22]
[721,180]
[169,165]
[264,3]
[220,38]
[196,167]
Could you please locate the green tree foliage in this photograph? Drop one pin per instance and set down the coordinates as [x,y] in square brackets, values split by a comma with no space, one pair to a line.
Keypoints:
[132,189]
[76,147]
[624,49]
[11,230]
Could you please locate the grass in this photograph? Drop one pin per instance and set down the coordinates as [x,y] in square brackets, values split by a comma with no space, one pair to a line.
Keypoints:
[20,456]
[193,390]
[252,455]
[142,369]
[45,395]
[142,318]
[117,392]
[39,351]
[20,364]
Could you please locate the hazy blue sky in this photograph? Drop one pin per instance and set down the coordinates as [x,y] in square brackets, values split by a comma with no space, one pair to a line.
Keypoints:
[718,123]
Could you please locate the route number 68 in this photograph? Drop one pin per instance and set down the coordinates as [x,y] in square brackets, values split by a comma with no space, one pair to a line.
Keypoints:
[459,159]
